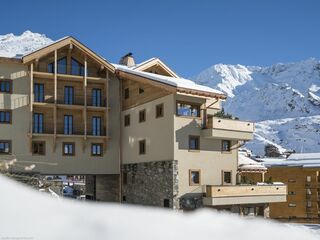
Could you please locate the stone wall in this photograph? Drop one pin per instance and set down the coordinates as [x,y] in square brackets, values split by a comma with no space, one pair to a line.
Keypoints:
[151,183]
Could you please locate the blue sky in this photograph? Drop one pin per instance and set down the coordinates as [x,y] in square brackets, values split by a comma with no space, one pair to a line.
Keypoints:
[188,35]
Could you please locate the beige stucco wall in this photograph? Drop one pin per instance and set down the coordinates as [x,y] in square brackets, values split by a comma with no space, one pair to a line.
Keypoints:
[209,160]
[54,162]
[158,132]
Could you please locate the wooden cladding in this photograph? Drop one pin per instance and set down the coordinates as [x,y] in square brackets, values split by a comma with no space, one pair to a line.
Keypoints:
[134,96]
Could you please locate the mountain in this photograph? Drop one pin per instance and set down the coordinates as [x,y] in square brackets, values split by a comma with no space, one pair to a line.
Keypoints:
[15,46]
[283,100]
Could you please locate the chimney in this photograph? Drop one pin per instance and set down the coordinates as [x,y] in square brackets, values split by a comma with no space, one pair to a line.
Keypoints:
[127,60]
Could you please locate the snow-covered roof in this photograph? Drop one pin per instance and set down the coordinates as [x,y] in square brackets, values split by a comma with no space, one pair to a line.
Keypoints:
[172,81]
[246,163]
[306,160]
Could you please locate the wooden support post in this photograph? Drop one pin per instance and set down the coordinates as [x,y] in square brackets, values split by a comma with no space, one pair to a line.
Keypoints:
[85,97]
[55,99]
[31,99]
[107,108]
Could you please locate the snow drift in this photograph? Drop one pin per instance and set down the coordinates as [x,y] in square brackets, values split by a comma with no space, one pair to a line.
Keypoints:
[27,214]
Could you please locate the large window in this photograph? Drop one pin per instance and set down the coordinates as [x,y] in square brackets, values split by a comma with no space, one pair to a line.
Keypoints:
[188,109]
[96,97]
[142,147]
[38,148]
[5,147]
[76,67]
[226,175]
[38,122]
[68,124]
[194,143]
[126,93]
[194,177]
[5,86]
[5,116]
[68,95]
[159,110]
[96,126]
[68,149]
[62,66]
[96,149]
[38,92]
[127,120]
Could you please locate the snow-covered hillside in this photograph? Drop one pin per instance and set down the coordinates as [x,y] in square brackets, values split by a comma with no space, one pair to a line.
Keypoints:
[16,46]
[276,93]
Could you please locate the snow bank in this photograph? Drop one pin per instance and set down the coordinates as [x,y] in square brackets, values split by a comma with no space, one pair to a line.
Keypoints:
[31,215]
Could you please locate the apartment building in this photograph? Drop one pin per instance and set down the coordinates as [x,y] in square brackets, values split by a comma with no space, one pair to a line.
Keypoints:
[138,132]
[300,171]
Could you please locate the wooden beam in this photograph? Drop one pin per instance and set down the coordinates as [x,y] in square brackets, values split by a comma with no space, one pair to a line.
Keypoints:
[55,99]
[31,99]
[85,96]
[107,104]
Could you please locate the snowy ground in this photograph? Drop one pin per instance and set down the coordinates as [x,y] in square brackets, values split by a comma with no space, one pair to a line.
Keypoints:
[27,214]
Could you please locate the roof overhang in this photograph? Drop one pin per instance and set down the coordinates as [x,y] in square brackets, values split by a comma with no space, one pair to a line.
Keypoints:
[64,42]
[155,62]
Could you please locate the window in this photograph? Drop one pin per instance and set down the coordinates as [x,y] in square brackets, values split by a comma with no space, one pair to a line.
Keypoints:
[141,90]
[291,193]
[194,177]
[142,115]
[68,124]
[76,68]
[159,110]
[127,120]
[5,86]
[124,178]
[124,199]
[96,149]
[126,93]
[68,149]
[166,203]
[226,177]
[62,66]
[38,148]
[188,109]
[38,92]
[292,205]
[5,147]
[226,146]
[5,116]
[38,123]
[142,147]
[194,143]
[96,126]
[68,95]
[96,97]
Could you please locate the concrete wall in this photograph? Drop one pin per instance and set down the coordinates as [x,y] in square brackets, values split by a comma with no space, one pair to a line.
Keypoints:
[158,132]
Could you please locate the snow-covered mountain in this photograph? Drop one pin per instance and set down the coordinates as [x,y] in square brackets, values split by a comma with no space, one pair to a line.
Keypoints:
[17,45]
[283,99]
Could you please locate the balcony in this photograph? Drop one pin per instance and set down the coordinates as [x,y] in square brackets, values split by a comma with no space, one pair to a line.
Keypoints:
[221,128]
[244,194]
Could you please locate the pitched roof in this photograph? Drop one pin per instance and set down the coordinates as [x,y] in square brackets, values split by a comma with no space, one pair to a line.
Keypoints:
[181,84]
[305,160]
[246,163]
[63,42]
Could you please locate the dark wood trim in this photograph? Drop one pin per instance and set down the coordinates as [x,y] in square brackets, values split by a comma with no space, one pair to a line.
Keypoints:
[10,85]
[44,147]
[10,147]
[224,151]
[194,136]
[145,146]
[5,111]
[222,177]
[144,112]
[126,124]
[101,150]
[161,105]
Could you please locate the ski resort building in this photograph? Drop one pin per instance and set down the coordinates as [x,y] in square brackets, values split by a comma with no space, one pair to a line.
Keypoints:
[139,133]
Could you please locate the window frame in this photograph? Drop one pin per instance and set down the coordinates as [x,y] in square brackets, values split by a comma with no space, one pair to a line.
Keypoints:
[96,122]
[160,106]
[68,122]
[73,149]
[223,178]
[5,111]
[127,123]
[229,149]
[191,183]
[9,145]
[96,100]
[42,99]
[6,81]
[189,143]
[101,150]
[197,105]
[68,94]
[80,67]
[42,124]
[44,148]
[126,93]
[144,148]
[144,119]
